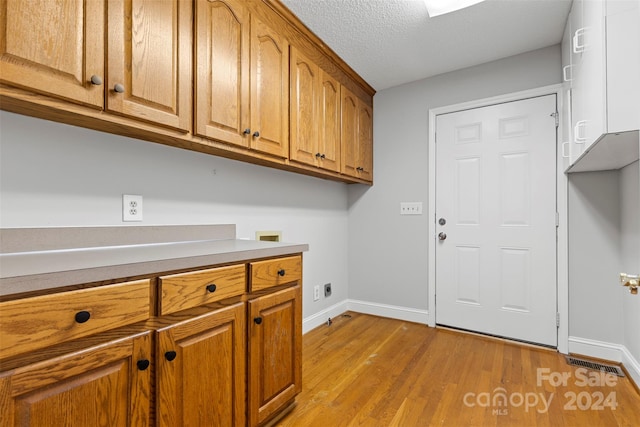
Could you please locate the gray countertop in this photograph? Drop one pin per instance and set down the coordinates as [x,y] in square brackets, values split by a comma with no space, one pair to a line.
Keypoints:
[27,271]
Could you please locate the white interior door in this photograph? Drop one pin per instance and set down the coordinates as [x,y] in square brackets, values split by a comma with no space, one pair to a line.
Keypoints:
[496,220]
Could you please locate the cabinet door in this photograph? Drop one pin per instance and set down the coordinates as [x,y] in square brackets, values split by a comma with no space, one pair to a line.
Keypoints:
[623,68]
[593,72]
[54,47]
[304,109]
[150,60]
[349,133]
[222,71]
[275,350]
[269,90]
[329,142]
[365,142]
[201,370]
[107,385]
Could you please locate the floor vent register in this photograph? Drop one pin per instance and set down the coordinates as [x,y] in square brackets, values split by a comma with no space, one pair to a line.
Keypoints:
[596,366]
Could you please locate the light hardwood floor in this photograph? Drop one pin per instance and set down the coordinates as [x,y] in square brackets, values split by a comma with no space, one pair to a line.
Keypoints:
[371,371]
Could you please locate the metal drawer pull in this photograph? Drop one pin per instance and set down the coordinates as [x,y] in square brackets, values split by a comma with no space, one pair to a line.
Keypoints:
[82,316]
[258,320]
[142,364]
[211,288]
[170,355]
[281,272]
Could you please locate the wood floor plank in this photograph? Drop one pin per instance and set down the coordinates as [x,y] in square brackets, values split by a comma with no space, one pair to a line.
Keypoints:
[370,371]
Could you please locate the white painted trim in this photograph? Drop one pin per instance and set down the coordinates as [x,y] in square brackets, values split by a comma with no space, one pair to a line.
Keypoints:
[607,351]
[594,348]
[632,365]
[391,311]
[561,202]
[311,322]
[373,308]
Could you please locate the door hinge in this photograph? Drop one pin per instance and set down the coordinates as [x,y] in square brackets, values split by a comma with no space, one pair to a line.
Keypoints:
[556,116]
[557,219]
[557,320]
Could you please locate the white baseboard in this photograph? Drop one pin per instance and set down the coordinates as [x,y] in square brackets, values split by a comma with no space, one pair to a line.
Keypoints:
[313,321]
[607,351]
[632,365]
[391,311]
[382,310]
[593,348]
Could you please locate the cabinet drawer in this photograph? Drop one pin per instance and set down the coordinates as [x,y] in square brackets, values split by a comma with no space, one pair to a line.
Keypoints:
[187,290]
[32,323]
[274,272]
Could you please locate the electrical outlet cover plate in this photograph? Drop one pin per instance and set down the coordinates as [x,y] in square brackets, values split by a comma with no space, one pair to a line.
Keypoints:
[410,208]
[131,207]
[316,292]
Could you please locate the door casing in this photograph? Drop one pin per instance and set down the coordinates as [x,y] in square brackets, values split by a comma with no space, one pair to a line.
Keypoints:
[561,203]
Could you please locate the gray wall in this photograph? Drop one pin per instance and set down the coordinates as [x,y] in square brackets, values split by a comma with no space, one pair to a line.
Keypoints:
[630,252]
[57,175]
[388,252]
[595,297]
[604,232]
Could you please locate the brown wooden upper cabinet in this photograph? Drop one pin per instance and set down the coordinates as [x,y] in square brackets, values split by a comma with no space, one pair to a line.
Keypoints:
[242,78]
[315,114]
[357,137]
[58,49]
[149,60]
[45,48]
[237,78]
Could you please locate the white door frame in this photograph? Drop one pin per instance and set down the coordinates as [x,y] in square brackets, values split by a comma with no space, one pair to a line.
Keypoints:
[561,202]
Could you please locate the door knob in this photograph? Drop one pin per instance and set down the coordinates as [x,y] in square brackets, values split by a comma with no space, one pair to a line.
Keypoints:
[442,236]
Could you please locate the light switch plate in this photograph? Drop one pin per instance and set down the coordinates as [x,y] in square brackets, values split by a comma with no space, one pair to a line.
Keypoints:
[410,208]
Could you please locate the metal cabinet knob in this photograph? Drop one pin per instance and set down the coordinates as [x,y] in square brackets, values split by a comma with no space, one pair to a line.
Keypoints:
[247,131]
[256,134]
[96,80]
[211,288]
[118,88]
[442,236]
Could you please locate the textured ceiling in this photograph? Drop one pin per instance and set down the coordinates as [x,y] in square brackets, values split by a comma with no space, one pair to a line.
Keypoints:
[391,42]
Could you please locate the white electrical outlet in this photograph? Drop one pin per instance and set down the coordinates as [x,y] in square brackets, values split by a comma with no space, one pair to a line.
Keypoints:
[410,208]
[131,207]
[316,292]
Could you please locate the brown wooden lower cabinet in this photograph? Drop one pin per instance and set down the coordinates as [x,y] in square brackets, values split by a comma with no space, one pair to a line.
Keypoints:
[233,362]
[108,384]
[275,351]
[201,370]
